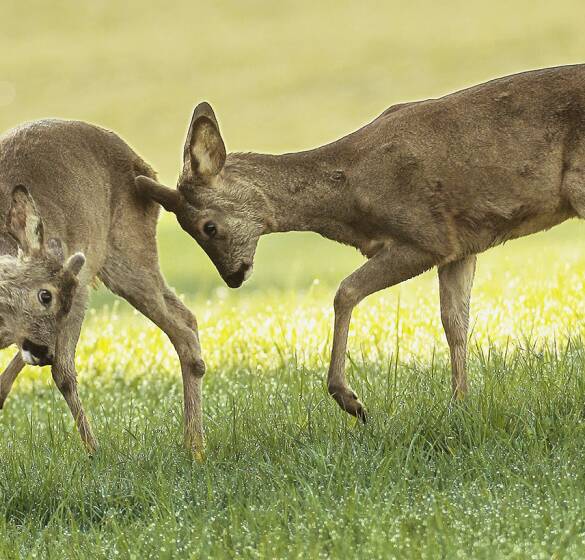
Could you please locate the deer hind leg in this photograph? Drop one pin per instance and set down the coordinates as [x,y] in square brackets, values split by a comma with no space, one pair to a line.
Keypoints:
[64,372]
[390,266]
[8,377]
[145,289]
[455,282]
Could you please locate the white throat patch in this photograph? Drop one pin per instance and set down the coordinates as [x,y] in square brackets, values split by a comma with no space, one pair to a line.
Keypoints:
[29,358]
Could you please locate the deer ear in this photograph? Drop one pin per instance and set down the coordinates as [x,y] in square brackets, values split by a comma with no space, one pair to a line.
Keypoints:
[204,151]
[75,263]
[169,199]
[24,222]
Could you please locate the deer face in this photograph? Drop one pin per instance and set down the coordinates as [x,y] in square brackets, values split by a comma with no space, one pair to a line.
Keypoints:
[219,214]
[37,286]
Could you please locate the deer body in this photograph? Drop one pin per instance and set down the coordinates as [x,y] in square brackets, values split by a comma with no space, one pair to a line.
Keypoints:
[430,183]
[453,176]
[82,180]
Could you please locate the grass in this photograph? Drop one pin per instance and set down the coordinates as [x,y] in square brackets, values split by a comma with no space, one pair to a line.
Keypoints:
[288,475]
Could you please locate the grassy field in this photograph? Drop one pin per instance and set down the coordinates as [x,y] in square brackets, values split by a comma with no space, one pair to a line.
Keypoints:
[287,474]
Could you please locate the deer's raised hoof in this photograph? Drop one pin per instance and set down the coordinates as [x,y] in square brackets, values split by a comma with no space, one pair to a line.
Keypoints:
[349,402]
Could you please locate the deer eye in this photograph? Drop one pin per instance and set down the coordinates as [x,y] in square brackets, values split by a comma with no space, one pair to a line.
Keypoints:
[210,229]
[45,297]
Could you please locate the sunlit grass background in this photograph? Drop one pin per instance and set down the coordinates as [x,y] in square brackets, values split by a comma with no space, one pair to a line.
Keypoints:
[287,474]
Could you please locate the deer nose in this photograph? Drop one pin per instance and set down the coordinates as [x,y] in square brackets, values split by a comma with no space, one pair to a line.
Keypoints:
[35,354]
[236,279]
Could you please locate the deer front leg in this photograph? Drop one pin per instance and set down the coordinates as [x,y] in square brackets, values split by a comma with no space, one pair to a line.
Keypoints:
[65,378]
[64,372]
[8,376]
[455,282]
[392,265]
[181,327]
[145,289]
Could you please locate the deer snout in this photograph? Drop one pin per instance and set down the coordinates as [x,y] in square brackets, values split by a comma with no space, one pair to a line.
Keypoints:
[36,354]
[236,279]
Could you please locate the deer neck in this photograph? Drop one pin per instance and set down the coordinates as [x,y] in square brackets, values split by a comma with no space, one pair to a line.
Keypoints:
[303,191]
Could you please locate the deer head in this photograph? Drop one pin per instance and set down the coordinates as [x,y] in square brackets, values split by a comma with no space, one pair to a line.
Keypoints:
[37,284]
[218,210]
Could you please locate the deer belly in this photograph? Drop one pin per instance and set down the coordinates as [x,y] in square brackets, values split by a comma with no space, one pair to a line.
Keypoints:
[534,224]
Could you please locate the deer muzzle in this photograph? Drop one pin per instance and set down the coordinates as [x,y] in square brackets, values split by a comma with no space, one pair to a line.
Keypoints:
[36,354]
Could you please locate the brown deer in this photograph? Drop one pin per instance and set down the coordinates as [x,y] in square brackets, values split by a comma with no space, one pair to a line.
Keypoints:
[81,178]
[37,287]
[430,183]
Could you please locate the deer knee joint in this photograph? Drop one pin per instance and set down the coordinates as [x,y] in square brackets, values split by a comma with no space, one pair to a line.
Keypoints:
[344,298]
[199,367]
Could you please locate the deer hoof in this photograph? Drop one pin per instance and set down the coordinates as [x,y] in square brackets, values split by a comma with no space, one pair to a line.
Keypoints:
[349,402]
[199,456]
[195,445]
[91,448]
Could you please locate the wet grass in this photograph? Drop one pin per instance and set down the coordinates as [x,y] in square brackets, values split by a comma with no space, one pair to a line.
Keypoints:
[287,474]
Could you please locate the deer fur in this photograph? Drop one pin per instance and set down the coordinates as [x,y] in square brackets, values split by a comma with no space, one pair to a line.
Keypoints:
[81,178]
[426,184]
[32,270]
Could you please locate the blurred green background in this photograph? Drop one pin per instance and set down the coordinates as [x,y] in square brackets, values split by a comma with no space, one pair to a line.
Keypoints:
[282,76]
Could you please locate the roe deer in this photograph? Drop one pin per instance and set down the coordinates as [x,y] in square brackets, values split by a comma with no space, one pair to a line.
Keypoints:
[37,287]
[429,183]
[82,180]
